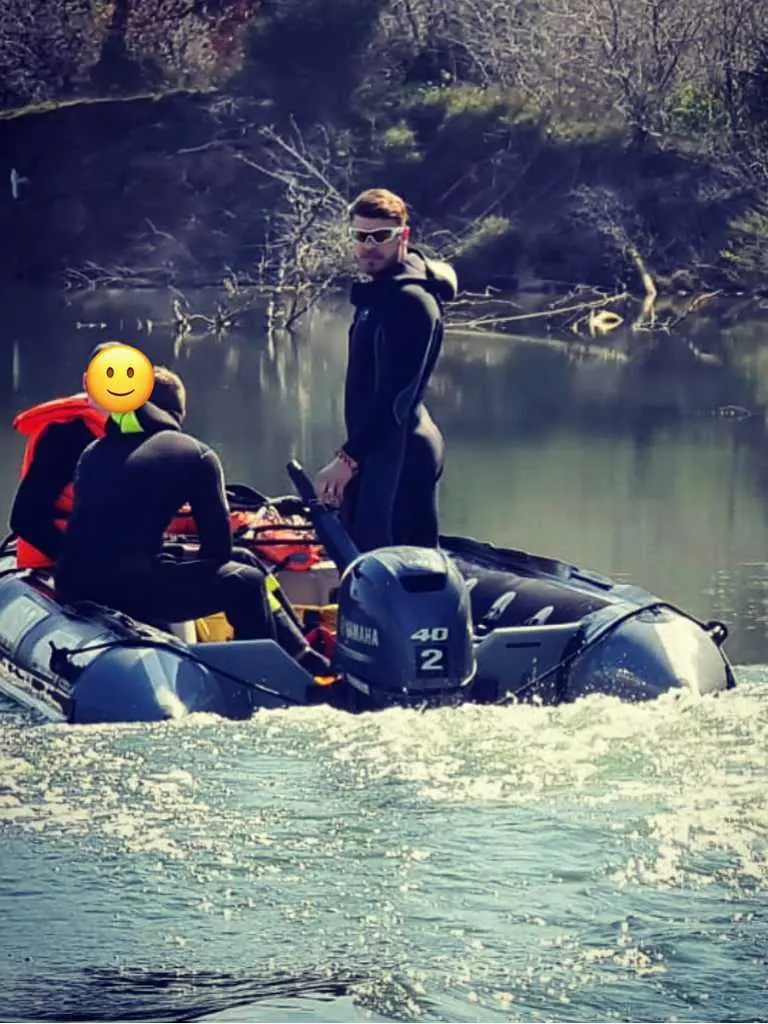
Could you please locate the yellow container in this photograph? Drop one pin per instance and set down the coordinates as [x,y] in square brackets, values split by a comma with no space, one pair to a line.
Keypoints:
[214,628]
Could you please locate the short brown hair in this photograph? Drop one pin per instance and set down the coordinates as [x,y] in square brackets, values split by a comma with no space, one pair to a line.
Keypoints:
[169,393]
[379,202]
[102,347]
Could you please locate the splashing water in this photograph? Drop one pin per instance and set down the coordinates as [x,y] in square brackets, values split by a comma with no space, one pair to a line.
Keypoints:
[593,861]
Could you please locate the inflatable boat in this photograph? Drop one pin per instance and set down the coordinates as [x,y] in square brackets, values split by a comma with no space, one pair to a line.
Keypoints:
[407,627]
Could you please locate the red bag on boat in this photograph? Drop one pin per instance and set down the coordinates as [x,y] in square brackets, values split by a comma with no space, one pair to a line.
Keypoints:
[322,640]
[286,540]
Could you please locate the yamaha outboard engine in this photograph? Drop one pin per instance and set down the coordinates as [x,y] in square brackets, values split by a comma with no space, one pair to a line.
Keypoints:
[404,628]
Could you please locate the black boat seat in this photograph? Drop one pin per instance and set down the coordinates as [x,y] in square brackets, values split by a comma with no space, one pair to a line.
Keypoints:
[507,599]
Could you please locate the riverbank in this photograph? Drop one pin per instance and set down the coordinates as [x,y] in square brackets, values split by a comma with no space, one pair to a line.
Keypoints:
[188,188]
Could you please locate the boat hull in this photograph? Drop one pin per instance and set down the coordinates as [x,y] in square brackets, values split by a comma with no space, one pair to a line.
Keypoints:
[554,632]
[92,665]
[544,630]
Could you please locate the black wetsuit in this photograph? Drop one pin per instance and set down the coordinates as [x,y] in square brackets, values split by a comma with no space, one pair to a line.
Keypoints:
[52,468]
[394,341]
[128,487]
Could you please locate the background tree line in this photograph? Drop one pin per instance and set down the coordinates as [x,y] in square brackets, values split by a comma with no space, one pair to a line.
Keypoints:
[529,136]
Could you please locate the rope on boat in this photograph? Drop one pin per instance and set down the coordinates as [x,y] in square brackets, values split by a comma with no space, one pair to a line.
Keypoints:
[61,661]
[717,631]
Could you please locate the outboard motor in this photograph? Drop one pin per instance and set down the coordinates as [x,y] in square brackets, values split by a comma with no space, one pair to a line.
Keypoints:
[404,628]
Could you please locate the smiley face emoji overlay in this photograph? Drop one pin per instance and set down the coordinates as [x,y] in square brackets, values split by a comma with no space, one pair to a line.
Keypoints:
[119,378]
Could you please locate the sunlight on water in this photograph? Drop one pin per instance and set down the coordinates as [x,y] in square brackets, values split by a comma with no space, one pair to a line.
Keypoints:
[693,771]
[474,863]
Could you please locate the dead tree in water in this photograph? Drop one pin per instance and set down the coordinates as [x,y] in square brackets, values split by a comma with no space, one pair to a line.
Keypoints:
[306,246]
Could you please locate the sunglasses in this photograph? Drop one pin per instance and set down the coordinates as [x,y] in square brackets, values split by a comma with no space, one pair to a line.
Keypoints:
[378,235]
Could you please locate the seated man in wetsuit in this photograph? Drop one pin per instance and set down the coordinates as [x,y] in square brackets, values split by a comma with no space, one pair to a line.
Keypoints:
[385,475]
[128,486]
[57,433]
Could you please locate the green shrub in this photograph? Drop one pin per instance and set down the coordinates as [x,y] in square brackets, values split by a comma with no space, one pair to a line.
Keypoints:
[746,254]
[463,114]
[398,142]
[693,110]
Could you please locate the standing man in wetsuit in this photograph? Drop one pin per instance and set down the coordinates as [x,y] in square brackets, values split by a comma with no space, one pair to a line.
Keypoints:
[385,475]
[128,486]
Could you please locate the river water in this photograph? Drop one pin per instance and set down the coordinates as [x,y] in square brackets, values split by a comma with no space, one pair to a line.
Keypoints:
[590,862]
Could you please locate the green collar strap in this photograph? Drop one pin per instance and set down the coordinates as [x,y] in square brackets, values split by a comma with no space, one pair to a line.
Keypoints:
[128,422]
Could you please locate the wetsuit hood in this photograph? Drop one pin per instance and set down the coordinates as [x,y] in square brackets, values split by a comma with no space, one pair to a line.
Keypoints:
[147,419]
[435,276]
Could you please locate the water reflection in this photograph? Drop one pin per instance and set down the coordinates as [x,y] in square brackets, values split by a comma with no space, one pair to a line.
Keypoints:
[175,995]
[616,455]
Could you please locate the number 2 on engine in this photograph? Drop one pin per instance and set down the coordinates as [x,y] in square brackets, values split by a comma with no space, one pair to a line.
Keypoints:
[431,658]
[431,661]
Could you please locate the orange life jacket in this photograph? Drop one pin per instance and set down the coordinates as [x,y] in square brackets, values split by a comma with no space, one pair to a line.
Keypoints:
[32,423]
[266,532]
[183,523]
[284,540]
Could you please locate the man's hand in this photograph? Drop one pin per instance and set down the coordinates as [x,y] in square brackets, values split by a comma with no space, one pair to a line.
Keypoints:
[331,481]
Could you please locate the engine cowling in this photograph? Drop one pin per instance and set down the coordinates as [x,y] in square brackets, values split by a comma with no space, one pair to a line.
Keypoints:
[405,627]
